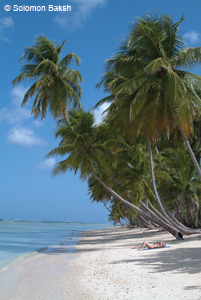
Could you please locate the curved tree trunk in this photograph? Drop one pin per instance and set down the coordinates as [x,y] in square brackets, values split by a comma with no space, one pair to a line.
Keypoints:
[168,216]
[144,223]
[67,120]
[180,225]
[117,196]
[192,155]
[167,226]
[190,221]
[149,215]
[158,200]
[151,224]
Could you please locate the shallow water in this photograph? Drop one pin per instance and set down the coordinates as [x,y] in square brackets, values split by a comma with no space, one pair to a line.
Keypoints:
[19,238]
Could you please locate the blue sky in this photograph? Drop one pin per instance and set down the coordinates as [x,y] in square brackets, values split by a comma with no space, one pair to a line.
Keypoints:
[93,29]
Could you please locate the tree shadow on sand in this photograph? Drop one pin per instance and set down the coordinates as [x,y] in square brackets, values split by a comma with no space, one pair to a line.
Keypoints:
[177,261]
[110,236]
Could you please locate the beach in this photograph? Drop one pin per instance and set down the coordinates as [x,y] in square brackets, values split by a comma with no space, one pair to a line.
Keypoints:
[104,267]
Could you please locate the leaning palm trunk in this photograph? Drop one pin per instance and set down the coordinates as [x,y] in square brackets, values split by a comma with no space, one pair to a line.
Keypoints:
[149,215]
[143,222]
[168,216]
[114,194]
[158,200]
[188,212]
[67,120]
[167,226]
[192,155]
[184,229]
[182,226]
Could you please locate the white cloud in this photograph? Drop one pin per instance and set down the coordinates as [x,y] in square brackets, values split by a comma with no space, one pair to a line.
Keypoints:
[5,23]
[98,112]
[16,114]
[193,36]
[37,123]
[47,165]
[23,137]
[17,94]
[80,11]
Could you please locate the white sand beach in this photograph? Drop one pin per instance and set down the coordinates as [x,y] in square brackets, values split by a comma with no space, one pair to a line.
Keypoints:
[106,268]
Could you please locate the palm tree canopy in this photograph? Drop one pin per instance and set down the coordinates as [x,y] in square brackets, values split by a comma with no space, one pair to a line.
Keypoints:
[82,142]
[148,73]
[56,86]
[119,165]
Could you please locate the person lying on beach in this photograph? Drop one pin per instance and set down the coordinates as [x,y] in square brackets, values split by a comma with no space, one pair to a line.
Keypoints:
[150,245]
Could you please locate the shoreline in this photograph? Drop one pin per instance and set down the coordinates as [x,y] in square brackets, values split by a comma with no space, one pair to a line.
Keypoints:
[70,244]
[20,238]
[39,275]
[104,267]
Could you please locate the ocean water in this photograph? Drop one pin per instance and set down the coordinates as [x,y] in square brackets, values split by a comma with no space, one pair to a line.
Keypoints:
[20,238]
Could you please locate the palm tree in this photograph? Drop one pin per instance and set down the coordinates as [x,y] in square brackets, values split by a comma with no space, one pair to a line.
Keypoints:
[149,86]
[85,147]
[149,71]
[56,86]
[183,182]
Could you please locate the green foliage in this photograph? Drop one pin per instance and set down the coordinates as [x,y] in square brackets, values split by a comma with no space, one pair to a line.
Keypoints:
[82,141]
[179,181]
[152,97]
[145,79]
[56,86]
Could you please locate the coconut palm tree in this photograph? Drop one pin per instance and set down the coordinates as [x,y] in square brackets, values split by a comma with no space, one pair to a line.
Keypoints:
[126,172]
[149,87]
[148,72]
[55,86]
[182,183]
[85,147]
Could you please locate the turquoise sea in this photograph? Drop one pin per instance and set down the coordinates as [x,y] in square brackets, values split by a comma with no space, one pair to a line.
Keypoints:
[19,238]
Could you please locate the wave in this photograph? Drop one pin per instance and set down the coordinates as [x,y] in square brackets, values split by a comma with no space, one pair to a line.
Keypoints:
[41,249]
[31,221]
[40,221]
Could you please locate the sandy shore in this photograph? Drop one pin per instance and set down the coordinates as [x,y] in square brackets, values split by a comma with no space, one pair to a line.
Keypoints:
[105,268]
